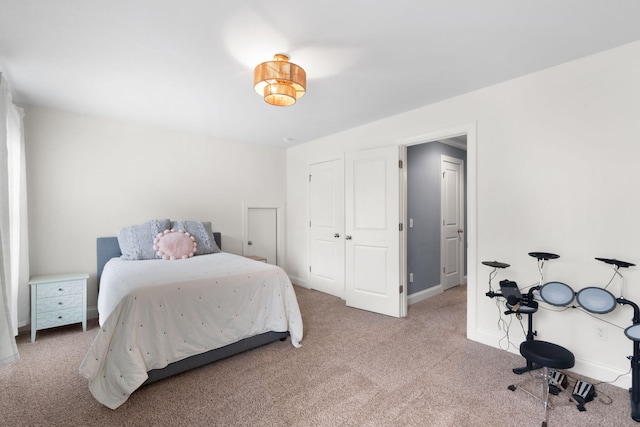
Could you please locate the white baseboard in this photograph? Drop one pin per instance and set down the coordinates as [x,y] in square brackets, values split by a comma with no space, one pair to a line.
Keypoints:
[423,295]
[92,312]
[601,373]
[299,282]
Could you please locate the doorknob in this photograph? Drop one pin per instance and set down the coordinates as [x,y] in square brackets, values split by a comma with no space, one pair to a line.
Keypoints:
[336,235]
[460,231]
[249,243]
[347,237]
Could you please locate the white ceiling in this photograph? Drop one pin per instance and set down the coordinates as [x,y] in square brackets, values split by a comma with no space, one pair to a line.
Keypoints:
[188,64]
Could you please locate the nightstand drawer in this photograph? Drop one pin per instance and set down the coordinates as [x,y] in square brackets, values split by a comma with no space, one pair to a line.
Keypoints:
[46,305]
[59,289]
[58,318]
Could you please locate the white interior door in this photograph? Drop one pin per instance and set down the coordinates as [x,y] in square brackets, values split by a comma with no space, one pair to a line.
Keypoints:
[452,238]
[326,227]
[262,232]
[372,240]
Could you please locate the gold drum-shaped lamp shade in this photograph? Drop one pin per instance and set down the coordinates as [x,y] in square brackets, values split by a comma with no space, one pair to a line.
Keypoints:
[280,82]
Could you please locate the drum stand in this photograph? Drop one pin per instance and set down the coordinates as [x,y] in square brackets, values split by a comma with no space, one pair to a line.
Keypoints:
[529,300]
[635,362]
[634,391]
[529,306]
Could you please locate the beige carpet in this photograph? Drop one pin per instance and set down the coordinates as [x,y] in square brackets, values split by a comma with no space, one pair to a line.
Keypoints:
[355,369]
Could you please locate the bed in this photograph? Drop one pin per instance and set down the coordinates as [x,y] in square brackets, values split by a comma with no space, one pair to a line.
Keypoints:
[162,317]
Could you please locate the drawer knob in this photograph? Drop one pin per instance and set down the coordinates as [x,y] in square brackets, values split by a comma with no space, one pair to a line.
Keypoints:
[60,289]
[59,317]
[60,303]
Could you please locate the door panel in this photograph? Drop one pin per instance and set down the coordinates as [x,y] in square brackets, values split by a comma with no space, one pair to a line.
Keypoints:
[369,195]
[326,223]
[262,233]
[452,220]
[372,206]
[363,257]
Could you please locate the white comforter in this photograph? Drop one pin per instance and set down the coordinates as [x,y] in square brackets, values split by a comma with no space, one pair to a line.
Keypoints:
[156,312]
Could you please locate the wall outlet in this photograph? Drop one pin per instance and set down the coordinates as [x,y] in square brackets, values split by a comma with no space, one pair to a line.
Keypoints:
[410,222]
[601,332]
[410,277]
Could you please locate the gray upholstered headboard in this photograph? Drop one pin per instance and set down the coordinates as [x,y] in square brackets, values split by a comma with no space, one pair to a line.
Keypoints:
[108,247]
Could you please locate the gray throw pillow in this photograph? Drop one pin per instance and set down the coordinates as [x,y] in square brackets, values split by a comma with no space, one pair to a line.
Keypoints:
[136,241]
[203,233]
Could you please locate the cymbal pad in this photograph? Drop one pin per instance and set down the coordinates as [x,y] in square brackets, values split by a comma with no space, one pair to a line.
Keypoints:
[496,264]
[544,255]
[613,261]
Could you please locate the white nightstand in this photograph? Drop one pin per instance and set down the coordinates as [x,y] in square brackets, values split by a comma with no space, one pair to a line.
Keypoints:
[58,299]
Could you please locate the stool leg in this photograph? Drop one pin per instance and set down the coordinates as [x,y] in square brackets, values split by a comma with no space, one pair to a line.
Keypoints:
[545,395]
[545,376]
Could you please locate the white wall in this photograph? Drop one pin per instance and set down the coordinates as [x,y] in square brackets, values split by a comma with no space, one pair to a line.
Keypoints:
[89,177]
[553,166]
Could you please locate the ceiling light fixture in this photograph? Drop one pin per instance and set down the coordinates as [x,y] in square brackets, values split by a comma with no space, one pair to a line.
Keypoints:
[279,81]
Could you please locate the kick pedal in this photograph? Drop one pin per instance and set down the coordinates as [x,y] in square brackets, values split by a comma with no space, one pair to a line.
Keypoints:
[583,392]
[557,382]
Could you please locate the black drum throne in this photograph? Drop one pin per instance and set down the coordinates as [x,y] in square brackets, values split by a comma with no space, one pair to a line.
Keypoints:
[549,357]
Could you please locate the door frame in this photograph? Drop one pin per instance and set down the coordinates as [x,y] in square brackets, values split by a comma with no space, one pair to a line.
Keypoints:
[280,255]
[469,129]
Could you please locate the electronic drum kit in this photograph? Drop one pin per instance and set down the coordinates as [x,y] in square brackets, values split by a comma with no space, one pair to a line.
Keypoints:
[591,299]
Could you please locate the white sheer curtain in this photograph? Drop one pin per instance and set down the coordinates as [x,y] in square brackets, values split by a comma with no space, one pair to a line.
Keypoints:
[14,251]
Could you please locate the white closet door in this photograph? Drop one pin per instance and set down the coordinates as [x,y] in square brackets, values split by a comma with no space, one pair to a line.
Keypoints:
[326,227]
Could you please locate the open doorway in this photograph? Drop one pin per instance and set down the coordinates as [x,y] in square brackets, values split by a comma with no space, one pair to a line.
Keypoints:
[436,204]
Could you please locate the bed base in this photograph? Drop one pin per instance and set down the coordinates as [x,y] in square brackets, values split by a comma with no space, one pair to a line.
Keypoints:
[202,359]
[107,248]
